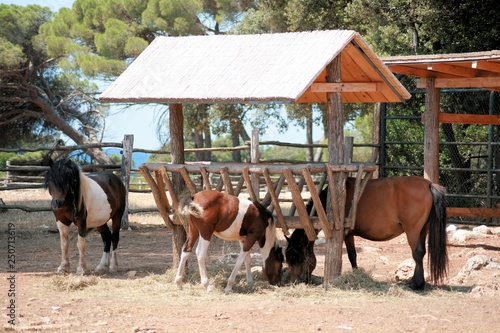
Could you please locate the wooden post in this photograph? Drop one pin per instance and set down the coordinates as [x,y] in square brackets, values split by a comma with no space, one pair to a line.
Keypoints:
[176,123]
[431,131]
[254,159]
[128,147]
[376,135]
[349,147]
[335,121]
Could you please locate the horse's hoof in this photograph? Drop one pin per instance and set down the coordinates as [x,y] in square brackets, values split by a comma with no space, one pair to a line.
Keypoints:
[80,271]
[63,269]
[228,289]
[416,287]
[101,269]
[113,269]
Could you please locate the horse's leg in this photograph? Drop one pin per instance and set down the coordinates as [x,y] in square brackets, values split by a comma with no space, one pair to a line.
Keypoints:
[248,266]
[63,235]
[103,266]
[115,238]
[351,250]
[239,261]
[417,244]
[192,237]
[82,265]
[202,254]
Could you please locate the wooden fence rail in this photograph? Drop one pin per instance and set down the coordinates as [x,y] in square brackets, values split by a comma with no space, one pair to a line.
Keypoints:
[15,180]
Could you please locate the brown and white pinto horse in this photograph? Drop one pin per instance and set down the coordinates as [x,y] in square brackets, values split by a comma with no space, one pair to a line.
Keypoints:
[387,208]
[226,216]
[88,202]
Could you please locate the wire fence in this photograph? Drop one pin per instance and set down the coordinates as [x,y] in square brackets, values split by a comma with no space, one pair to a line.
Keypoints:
[469,153]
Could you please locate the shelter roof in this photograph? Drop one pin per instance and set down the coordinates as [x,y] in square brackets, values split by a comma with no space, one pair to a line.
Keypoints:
[456,70]
[285,67]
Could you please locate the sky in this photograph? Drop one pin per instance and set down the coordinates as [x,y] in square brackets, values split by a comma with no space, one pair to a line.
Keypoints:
[141,121]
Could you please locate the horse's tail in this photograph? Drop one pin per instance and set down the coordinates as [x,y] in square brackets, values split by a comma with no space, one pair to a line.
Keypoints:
[438,254]
[188,207]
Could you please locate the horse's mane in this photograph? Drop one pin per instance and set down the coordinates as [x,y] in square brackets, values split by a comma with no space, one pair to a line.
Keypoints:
[271,228]
[65,175]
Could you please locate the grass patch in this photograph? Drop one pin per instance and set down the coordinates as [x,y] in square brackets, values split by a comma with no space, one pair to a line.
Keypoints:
[73,282]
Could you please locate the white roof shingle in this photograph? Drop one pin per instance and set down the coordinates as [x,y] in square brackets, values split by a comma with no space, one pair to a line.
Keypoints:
[250,68]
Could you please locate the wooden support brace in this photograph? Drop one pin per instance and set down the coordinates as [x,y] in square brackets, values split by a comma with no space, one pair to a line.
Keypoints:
[319,189]
[189,183]
[337,213]
[162,208]
[173,197]
[276,203]
[239,186]
[248,181]
[170,188]
[300,186]
[299,203]
[327,228]
[227,180]
[355,199]
[277,190]
[220,184]
[206,178]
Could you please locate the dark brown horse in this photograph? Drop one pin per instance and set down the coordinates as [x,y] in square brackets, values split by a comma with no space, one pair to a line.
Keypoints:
[390,206]
[300,255]
[88,202]
[226,216]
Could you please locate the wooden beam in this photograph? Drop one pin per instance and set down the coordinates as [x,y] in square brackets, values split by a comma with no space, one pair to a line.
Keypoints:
[473,212]
[411,71]
[489,66]
[347,87]
[475,82]
[478,119]
[459,71]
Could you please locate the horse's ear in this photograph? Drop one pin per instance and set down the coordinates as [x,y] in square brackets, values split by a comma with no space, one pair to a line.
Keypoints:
[287,239]
[68,162]
[51,163]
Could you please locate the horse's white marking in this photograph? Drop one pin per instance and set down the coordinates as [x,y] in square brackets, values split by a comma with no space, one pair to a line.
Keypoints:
[182,267]
[103,264]
[113,264]
[233,232]
[82,265]
[201,254]
[63,234]
[96,202]
[270,240]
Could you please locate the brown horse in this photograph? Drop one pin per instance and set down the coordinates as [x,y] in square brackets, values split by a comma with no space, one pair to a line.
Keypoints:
[390,206]
[212,212]
[88,202]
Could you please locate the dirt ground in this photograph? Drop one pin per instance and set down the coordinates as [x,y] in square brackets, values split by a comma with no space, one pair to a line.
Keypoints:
[141,296]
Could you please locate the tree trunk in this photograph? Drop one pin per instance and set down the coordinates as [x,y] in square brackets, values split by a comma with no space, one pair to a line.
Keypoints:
[50,115]
[235,139]
[208,143]
[309,136]
[197,137]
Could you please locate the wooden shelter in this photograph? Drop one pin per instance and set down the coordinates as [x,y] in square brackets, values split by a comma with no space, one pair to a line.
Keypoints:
[319,66]
[438,71]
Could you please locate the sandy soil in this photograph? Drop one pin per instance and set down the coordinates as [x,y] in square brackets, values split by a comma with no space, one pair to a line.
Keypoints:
[141,296]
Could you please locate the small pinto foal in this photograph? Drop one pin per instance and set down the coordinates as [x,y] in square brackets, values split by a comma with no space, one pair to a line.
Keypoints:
[212,212]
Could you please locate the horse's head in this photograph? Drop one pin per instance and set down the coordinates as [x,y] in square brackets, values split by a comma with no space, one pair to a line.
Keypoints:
[300,256]
[63,182]
[273,267]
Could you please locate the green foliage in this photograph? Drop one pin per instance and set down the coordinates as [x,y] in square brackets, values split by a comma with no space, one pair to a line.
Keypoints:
[278,153]
[11,56]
